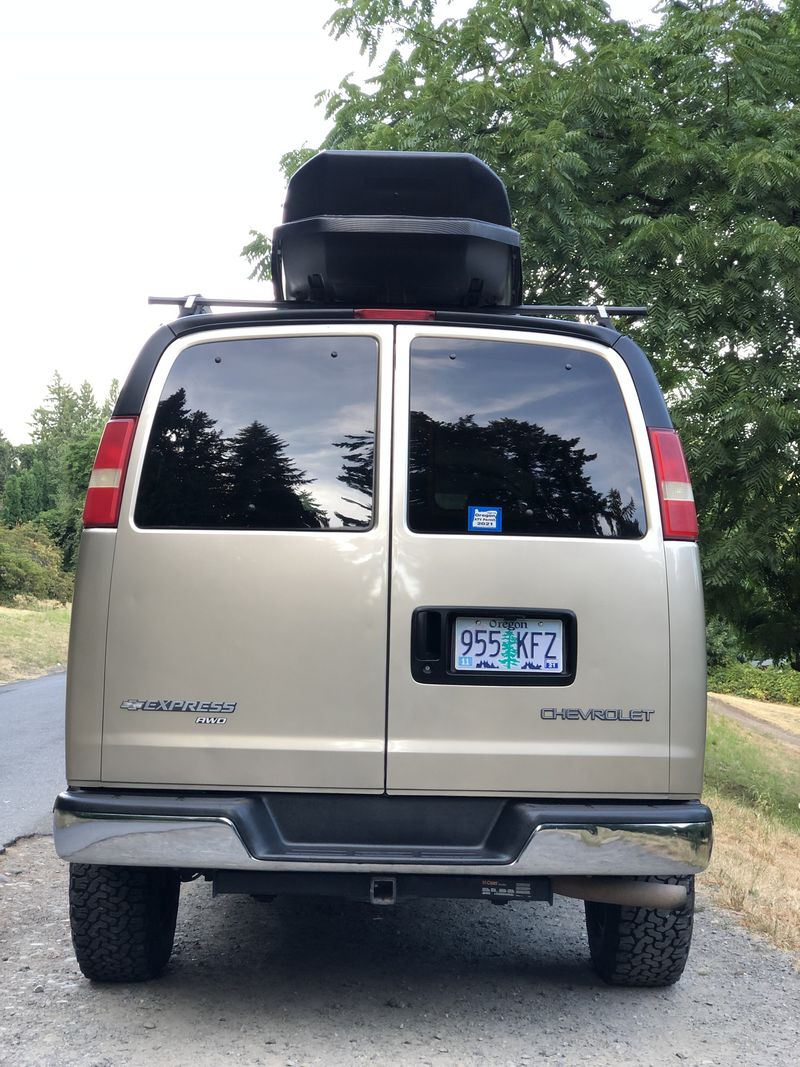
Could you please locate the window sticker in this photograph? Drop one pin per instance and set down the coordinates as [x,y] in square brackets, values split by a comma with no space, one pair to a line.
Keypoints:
[483,519]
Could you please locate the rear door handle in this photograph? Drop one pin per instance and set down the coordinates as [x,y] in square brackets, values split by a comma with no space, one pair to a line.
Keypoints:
[426,639]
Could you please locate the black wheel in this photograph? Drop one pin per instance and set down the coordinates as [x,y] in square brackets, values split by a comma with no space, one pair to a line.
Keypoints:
[123,920]
[641,946]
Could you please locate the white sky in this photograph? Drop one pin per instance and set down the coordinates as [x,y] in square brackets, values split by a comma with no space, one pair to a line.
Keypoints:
[140,143]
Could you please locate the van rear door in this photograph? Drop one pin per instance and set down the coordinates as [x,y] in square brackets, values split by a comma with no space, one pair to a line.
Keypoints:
[529,643]
[248,610]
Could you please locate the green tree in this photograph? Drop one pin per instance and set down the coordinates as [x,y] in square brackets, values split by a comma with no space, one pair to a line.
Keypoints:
[25,494]
[11,513]
[49,477]
[723,645]
[55,422]
[654,165]
[64,520]
[7,460]
[30,564]
[110,401]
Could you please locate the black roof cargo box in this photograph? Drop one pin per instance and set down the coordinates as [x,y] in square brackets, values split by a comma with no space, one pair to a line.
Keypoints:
[400,229]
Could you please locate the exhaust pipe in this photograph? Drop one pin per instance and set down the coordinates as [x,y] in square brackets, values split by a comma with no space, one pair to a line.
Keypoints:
[625,891]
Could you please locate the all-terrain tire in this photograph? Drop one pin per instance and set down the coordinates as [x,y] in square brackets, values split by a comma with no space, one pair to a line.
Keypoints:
[641,946]
[122,920]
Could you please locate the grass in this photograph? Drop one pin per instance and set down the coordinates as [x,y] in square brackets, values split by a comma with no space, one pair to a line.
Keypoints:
[753,788]
[757,772]
[755,870]
[32,640]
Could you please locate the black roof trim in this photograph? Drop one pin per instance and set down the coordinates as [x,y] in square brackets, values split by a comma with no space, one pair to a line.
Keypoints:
[651,398]
[286,315]
[131,395]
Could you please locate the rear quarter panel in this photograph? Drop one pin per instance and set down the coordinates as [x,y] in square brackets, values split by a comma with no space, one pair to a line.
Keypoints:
[687,669]
[87,656]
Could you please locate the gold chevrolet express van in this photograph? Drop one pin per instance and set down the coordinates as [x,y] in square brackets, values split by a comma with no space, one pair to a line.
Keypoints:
[388,588]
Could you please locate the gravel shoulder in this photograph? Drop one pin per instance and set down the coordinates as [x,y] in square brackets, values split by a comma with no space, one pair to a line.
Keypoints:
[332,983]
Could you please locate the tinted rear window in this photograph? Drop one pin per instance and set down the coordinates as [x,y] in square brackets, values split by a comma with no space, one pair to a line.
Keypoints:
[536,438]
[265,434]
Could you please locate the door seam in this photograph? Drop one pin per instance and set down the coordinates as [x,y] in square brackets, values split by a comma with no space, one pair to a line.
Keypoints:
[389,576]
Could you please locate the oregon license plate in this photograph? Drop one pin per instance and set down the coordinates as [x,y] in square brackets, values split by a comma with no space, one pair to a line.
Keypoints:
[516,645]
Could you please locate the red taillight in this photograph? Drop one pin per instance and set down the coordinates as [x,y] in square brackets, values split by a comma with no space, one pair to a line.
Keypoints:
[678,514]
[395,314]
[108,474]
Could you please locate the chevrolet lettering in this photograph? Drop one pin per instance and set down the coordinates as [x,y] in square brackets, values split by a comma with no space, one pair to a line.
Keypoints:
[395,511]
[598,714]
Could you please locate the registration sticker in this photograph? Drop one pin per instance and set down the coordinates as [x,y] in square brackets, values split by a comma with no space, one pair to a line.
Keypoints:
[484,519]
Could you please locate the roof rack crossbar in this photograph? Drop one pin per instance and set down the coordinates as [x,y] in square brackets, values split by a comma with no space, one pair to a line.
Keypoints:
[195,304]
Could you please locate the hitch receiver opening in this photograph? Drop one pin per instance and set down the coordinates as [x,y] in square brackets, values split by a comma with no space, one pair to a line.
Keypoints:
[383,890]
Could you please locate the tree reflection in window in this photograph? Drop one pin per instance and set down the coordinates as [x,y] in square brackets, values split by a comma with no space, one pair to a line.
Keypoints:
[195,477]
[358,472]
[539,479]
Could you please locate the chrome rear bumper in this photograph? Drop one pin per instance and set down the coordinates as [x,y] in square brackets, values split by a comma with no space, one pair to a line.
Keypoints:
[556,839]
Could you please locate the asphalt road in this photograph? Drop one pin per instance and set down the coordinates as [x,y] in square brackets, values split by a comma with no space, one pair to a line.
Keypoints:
[31,754]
